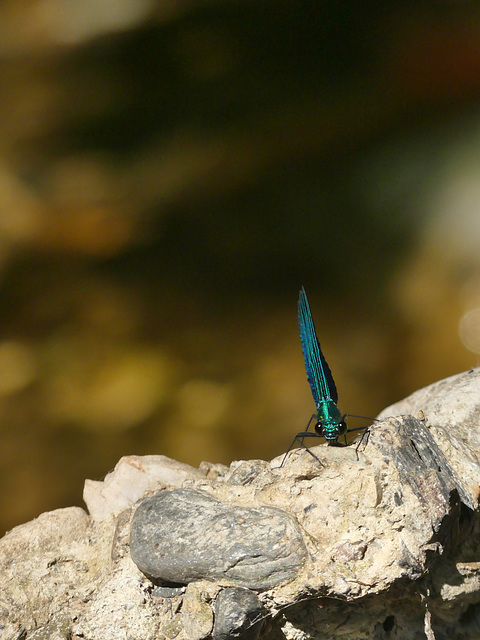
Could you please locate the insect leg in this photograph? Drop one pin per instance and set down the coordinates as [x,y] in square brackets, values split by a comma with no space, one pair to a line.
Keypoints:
[313,417]
[299,438]
[300,435]
[353,415]
[366,435]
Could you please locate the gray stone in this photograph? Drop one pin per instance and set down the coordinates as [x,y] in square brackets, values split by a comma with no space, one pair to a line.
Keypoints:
[168,592]
[451,410]
[186,535]
[421,463]
[238,614]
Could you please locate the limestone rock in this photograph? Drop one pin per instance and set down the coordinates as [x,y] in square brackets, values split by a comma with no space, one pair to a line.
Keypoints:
[43,569]
[384,536]
[197,612]
[132,478]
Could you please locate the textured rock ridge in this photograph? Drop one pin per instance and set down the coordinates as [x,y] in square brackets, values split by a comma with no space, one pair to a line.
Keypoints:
[382,540]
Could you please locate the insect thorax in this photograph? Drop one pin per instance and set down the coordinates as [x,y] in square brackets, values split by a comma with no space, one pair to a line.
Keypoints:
[330,422]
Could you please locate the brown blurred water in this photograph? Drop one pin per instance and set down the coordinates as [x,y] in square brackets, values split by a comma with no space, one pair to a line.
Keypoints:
[172,173]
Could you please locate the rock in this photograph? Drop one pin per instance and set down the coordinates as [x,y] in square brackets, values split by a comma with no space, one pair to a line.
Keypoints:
[421,464]
[238,614]
[132,478]
[381,540]
[186,535]
[44,569]
[245,471]
[451,409]
[120,607]
[197,614]
[168,592]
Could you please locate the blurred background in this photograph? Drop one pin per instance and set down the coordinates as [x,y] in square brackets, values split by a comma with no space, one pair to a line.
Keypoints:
[172,171]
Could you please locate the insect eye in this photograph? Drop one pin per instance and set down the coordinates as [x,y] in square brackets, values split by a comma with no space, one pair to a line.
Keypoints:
[342,428]
[319,429]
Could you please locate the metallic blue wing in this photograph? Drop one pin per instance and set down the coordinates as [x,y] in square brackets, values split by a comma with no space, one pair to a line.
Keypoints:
[318,372]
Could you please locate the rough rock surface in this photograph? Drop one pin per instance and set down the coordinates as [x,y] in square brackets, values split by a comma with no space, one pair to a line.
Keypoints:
[133,478]
[451,409]
[385,536]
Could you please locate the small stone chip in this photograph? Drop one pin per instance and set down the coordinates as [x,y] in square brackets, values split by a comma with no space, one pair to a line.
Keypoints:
[238,614]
